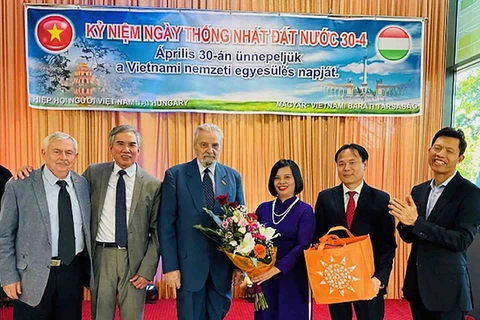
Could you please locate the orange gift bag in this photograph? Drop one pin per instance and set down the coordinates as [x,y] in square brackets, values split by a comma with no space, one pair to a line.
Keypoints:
[340,269]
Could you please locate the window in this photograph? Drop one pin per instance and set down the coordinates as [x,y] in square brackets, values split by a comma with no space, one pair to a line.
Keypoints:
[467,117]
[468,29]
[462,102]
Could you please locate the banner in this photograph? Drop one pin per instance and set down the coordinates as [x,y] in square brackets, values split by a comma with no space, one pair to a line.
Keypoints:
[109,58]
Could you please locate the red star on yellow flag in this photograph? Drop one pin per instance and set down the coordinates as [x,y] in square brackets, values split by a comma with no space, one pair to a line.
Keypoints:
[55,33]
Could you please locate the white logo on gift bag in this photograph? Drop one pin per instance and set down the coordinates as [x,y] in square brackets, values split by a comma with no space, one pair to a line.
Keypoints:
[338,275]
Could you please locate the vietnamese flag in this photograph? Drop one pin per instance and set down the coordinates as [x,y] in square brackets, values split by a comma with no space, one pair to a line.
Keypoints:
[54,33]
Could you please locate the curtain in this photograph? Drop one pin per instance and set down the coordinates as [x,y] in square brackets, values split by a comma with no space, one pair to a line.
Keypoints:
[252,143]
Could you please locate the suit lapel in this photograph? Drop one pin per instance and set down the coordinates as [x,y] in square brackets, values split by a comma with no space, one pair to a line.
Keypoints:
[445,197]
[194,185]
[340,205]
[422,205]
[137,190]
[104,179]
[362,203]
[82,193]
[39,190]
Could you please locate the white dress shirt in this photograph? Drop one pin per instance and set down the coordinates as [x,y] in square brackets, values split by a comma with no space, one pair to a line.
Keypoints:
[201,169]
[106,226]
[435,193]
[346,197]
[52,190]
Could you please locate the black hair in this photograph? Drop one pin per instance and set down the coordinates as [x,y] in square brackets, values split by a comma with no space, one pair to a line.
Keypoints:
[453,133]
[353,146]
[297,176]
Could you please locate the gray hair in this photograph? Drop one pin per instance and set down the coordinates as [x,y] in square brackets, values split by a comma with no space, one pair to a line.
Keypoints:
[58,136]
[124,128]
[207,127]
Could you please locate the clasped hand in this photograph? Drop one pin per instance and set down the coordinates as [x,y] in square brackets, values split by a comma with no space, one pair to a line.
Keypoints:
[266,275]
[405,211]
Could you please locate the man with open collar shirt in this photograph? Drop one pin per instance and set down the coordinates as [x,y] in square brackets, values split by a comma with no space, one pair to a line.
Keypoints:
[440,219]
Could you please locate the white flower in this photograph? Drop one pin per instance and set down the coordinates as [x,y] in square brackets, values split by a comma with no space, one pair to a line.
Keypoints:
[268,232]
[242,230]
[233,243]
[246,245]
[235,219]
[243,222]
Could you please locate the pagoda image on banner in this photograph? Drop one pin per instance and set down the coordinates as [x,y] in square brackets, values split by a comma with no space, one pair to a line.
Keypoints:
[83,83]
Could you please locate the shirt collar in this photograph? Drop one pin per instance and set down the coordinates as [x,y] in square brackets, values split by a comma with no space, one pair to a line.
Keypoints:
[444,183]
[130,170]
[52,179]
[201,168]
[357,189]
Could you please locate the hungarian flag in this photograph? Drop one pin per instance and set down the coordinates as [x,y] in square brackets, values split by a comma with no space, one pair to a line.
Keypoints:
[393,43]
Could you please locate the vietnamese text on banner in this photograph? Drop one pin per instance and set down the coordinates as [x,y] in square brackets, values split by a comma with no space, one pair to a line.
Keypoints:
[107,58]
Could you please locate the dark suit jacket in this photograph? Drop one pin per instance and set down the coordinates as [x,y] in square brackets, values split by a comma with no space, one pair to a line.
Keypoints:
[371,217]
[5,175]
[438,260]
[183,247]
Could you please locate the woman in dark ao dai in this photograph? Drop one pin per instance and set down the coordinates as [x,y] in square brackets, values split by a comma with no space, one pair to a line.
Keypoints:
[285,285]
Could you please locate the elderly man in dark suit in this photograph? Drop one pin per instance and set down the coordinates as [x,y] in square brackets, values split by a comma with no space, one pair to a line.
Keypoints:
[44,236]
[440,219]
[192,263]
[363,210]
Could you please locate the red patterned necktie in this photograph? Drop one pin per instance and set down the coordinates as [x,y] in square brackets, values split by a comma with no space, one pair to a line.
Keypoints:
[350,208]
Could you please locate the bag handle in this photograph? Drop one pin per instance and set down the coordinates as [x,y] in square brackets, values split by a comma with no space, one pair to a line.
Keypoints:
[340,228]
[330,239]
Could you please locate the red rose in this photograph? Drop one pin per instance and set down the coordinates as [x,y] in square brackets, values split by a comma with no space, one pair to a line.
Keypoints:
[255,289]
[252,216]
[222,199]
[233,204]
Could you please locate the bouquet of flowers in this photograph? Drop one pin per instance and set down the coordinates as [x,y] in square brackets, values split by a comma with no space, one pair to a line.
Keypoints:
[245,241]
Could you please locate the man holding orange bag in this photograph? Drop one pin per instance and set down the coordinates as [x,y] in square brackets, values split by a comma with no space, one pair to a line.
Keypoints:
[363,210]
